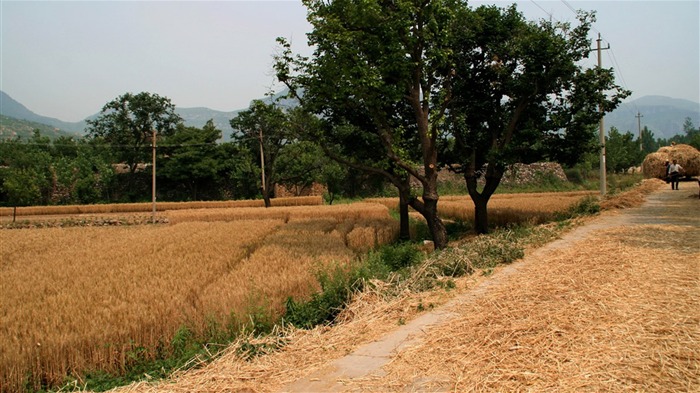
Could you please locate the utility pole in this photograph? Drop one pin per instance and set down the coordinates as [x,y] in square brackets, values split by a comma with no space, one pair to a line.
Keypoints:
[262,162]
[639,127]
[153,192]
[603,179]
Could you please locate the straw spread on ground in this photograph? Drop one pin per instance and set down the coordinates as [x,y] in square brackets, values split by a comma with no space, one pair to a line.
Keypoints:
[612,311]
[687,156]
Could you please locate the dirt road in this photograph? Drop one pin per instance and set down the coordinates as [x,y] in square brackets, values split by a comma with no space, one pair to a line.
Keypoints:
[612,306]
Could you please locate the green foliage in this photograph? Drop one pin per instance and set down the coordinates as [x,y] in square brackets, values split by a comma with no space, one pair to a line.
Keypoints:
[399,256]
[498,248]
[585,207]
[692,133]
[127,123]
[336,288]
[190,159]
[340,283]
[621,151]
[521,95]
[263,129]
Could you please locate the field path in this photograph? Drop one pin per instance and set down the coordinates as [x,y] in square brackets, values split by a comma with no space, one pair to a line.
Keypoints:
[612,306]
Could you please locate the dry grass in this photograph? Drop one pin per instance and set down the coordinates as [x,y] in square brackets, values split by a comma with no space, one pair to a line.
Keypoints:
[633,197]
[617,317]
[83,298]
[141,283]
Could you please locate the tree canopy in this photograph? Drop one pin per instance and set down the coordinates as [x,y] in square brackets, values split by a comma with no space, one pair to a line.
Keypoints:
[384,70]
[127,123]
[521,95]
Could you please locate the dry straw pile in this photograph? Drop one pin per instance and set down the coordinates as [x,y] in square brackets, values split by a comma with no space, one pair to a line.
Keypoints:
[687,156]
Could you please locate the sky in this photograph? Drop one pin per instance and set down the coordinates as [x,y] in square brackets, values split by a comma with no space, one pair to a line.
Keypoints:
[67,59]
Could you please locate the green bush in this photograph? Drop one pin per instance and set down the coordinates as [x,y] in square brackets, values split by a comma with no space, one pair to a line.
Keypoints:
[585,207]
[338,285]
[323,306]
[400,256]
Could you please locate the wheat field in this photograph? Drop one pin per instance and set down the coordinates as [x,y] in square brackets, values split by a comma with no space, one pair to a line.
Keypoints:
[85,298]
[534,208]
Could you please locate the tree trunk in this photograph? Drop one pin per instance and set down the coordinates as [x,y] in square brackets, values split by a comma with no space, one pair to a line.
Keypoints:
[428,209]
[481,199]
[437,228]
[481,217]
[267,191]
[404,228]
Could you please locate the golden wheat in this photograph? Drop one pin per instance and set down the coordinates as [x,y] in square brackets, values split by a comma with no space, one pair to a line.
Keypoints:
[84,298]
[336,212]
[160,206]
[503,208]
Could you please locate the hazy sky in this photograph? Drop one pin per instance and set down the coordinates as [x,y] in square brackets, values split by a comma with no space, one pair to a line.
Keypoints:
[66,59]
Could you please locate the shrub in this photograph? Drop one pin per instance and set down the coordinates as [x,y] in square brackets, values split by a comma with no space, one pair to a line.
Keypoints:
[336,289]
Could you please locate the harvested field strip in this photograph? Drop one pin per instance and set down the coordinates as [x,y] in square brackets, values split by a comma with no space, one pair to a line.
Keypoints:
[335,212]
[620,316]
[160,206]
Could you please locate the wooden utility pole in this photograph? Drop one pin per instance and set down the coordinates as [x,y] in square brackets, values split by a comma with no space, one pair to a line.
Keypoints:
[603,179]
[153,192]
[639,127]
[262,161]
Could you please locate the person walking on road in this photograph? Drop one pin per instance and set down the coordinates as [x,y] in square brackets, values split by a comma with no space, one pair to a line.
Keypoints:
[674,172]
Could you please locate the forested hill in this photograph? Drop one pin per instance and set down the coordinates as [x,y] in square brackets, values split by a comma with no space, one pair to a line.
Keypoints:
[11,108]
[11,128]
[664,116]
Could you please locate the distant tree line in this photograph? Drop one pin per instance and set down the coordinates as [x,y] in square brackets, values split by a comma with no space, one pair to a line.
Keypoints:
[623,149]
[394,93]
[112,163]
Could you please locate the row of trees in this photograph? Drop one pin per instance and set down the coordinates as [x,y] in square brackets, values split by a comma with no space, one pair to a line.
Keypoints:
[193,166]
[397,89]
[112,163]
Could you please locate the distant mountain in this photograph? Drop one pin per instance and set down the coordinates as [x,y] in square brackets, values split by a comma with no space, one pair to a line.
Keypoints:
[12,108]
[193,117]
[11,128]
[664,116]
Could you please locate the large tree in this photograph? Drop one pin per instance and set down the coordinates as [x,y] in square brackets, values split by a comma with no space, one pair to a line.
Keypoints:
[127,123]
[383,68]
[521,94]
[264,129]
[189,157]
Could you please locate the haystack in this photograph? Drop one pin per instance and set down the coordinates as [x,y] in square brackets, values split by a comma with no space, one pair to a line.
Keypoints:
[687,156]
